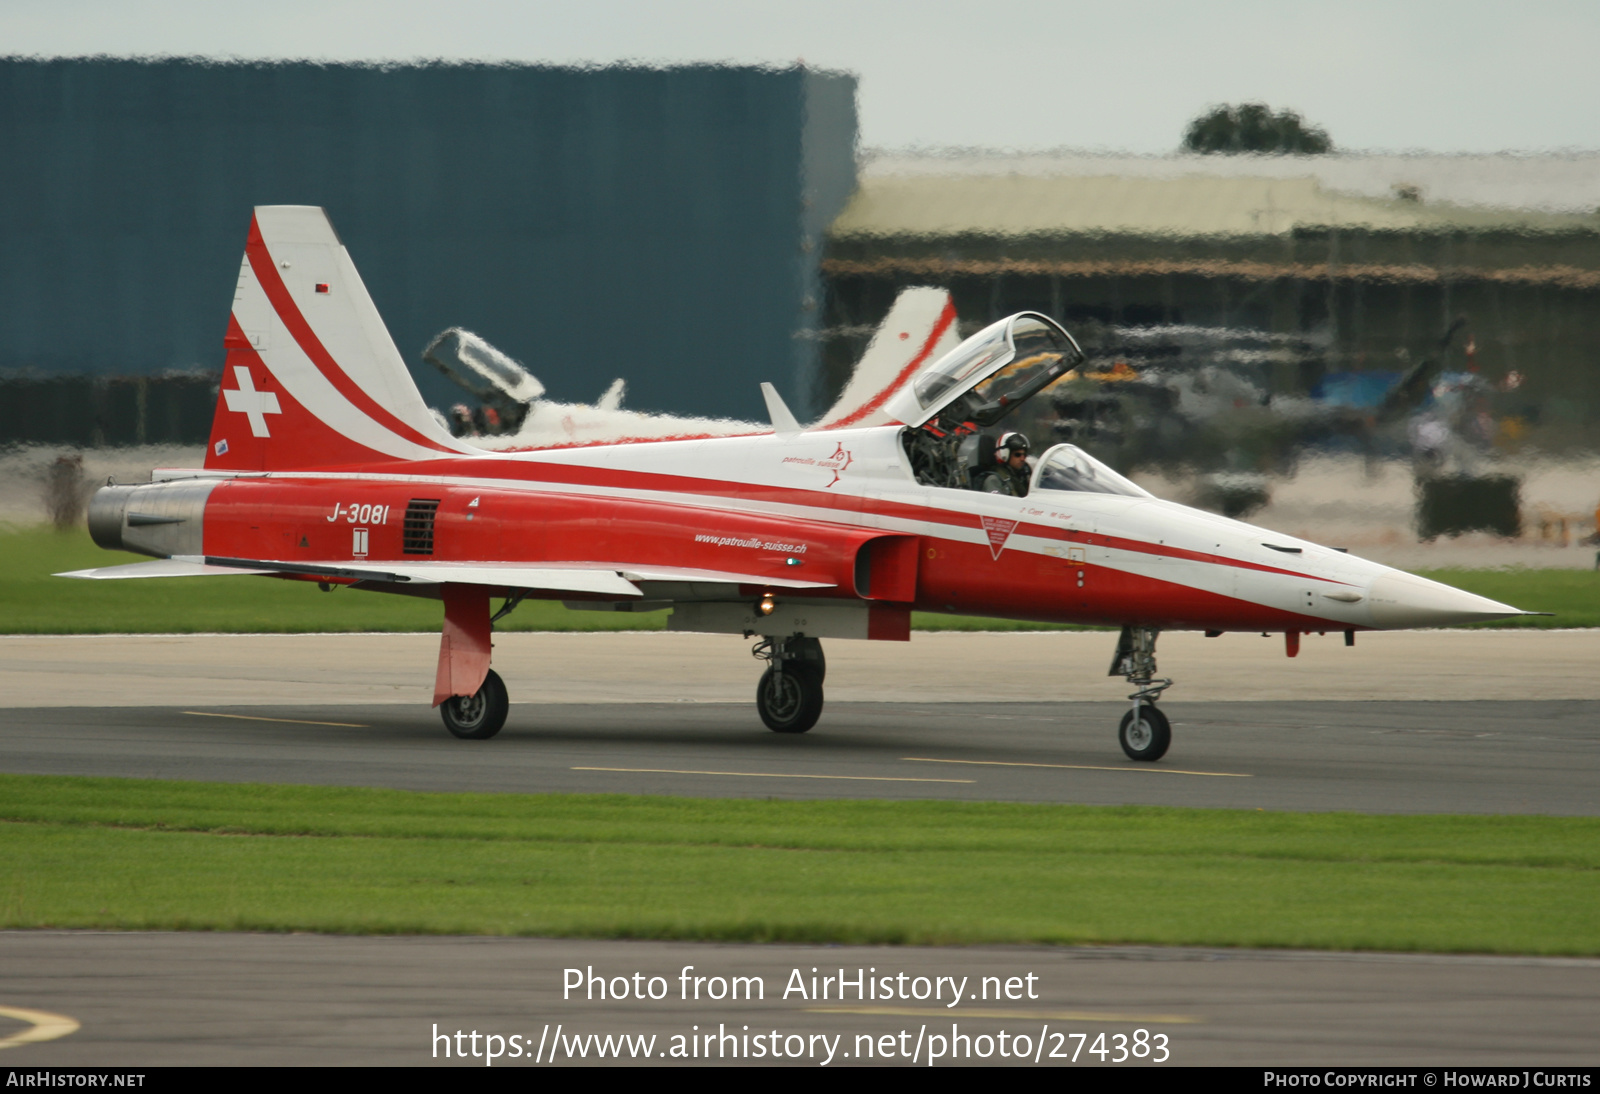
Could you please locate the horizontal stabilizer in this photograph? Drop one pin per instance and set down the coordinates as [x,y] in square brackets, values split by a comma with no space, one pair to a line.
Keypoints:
[161,567]
[603,579]
[513,575]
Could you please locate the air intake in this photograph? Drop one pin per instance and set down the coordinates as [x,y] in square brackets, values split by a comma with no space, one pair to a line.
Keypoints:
[417,536]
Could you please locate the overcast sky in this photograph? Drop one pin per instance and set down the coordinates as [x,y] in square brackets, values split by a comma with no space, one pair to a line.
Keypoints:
[1390,75]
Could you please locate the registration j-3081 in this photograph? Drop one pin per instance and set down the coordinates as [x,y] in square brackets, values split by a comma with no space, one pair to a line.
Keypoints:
[360,514]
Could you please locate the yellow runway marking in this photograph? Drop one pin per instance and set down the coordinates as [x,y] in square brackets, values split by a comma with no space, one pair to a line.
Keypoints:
[771,775]
[285,721]
[971,1015]
[1081,767]
[42,1026]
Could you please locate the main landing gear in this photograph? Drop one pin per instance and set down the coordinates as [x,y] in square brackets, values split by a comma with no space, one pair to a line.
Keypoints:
[464,649]
[789,696]
[1145,733]
[479,716]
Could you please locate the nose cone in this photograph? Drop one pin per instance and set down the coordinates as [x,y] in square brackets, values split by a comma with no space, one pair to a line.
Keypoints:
[1399,600]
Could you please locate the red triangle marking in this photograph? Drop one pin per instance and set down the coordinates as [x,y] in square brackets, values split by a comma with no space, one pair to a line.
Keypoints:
[998,530]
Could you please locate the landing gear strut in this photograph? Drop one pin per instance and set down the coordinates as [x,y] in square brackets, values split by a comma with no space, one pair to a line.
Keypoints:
[789,696]
[1145,733]
[464,649]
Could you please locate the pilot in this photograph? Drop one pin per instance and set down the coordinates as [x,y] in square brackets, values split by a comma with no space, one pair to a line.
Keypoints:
[1011,473]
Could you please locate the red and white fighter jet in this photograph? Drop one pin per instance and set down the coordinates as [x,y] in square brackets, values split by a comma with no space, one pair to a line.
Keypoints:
[324,465]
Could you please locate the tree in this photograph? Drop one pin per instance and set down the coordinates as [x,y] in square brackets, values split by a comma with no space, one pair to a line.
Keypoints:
[1254,127]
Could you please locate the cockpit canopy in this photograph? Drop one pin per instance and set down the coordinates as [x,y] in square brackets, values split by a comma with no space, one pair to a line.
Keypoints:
[992,372]
[1068,467]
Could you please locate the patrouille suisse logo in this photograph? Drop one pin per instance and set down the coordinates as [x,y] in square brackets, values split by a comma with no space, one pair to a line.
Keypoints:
[998,530]
[835,464]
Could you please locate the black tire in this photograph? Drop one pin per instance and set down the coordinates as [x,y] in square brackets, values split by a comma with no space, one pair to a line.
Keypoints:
[808,653]
[1151,739]
[477,717]
[790,701]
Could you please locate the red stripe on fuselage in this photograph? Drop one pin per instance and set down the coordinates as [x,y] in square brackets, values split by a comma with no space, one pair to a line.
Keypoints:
[603,478]
[965,579]
[301,519]
[266,272]
[565,445]
[304,519]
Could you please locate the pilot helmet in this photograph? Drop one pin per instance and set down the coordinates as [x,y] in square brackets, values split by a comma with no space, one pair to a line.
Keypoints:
[1011,442]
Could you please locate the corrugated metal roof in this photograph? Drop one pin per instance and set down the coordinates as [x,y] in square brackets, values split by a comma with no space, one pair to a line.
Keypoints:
[1551,182]
[1189,206]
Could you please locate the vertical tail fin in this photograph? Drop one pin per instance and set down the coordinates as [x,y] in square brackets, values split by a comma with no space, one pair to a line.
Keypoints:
[920,327]
[312,377]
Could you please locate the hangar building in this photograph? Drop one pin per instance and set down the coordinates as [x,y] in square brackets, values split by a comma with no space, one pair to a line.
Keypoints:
[1368,260]
[662,225]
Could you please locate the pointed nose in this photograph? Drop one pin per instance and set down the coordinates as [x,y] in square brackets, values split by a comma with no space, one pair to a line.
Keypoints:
[1399,599]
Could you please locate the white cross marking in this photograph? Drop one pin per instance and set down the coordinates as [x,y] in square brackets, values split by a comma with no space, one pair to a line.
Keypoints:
[253,404]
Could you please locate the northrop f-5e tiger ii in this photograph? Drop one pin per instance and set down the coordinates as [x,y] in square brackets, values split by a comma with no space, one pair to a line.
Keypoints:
[324,465]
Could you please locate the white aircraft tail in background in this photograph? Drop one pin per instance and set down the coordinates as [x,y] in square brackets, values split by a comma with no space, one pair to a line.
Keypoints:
[919,328]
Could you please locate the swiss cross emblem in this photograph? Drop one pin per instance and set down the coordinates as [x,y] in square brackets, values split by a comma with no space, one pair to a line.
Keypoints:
[253,404]
[998,530]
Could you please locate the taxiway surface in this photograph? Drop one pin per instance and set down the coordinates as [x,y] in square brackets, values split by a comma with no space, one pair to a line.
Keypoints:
[174,999]
[1378,757]
[1479,722]
[654,667]
[1449,722]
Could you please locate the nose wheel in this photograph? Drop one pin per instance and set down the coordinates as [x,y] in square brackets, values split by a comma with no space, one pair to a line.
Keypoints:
[1145,734]
[478,716]
[789,700]
[789,696]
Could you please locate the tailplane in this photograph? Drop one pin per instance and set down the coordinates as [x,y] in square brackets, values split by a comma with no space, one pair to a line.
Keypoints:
[312,377]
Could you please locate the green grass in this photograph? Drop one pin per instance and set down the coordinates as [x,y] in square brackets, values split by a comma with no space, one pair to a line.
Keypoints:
[33,602]
[136,854]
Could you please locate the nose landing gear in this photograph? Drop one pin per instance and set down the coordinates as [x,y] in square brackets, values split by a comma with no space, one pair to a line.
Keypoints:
[1145,734]
[789,696]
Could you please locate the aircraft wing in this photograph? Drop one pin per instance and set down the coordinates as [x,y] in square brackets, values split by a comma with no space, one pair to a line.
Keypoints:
[604,579]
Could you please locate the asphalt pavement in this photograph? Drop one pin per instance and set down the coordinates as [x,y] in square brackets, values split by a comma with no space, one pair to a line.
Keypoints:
[177,999]
[1378,757]
[1447,722]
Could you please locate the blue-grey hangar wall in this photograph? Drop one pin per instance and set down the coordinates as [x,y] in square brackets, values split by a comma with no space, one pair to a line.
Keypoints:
[657,224]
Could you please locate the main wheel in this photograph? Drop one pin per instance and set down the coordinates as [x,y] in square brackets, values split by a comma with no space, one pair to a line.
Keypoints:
[1149,738]
[479,716]
[790,701]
